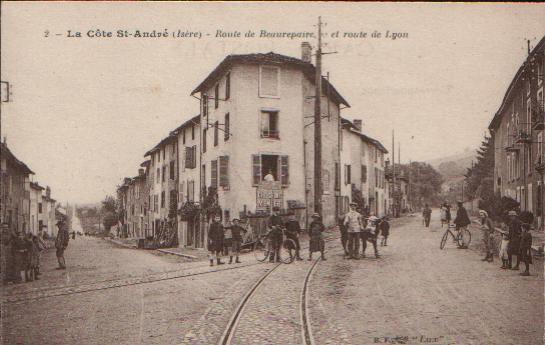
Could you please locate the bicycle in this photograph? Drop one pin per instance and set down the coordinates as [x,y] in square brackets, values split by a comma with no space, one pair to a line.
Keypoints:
[262,248]
[463,236]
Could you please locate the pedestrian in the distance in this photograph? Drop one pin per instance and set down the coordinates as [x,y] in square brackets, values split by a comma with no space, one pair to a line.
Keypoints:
[293,230]
[384,226]
[316,228]
[215,241]
[426,213]
[34,257]
[526,249]
[354,225]
[275,234]
[461,221]
[61,242]
[29,257]
[236,233]
[488,229]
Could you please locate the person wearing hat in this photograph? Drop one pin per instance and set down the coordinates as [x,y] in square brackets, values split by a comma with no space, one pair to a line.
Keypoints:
[461,221]
[316,239]
[236,240]
[61,242]
[354,223]
[384,227]
[515,230]
[488,230]
[293,230]
[503,247]
[275,235]
[426,214]
[526,248]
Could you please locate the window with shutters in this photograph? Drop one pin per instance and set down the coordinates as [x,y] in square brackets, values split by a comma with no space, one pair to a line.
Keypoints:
[163,199]
[172,170]
[216,133]
[158,175]
[156,202]
[226,134]
[204,105]
[270,168]
[227,86]
[216,96]
[214,174]
[192,132]
[337,176]
[269,81]
[347,173]
[364,173]
[183,136]
[204,140]
[203,174]
[224,172]
[163,173]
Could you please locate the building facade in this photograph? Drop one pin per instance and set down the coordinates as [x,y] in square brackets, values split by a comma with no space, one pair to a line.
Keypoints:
[517,131]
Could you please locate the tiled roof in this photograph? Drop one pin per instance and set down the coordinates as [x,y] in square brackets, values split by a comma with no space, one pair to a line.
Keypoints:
[8,155]
[268,58]
[366,138]
[172,135]
[522,69]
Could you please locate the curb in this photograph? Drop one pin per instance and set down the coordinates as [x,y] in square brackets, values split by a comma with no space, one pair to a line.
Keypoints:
[119,243]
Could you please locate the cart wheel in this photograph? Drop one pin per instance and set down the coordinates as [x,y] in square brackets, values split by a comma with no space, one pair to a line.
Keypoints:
[287,252]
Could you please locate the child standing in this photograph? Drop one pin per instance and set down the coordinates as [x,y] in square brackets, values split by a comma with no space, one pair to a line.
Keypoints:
[526,248]
[384,231]
[503,249]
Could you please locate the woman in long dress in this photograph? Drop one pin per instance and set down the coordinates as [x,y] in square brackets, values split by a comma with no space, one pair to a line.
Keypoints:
[316,228]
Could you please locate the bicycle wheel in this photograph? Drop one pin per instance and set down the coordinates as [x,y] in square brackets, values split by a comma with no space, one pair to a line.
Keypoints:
[466,235]
[260,251]
[287,252]
[444,240]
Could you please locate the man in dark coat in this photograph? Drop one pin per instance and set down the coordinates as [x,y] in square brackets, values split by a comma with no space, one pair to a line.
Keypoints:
[461,221]
[426,213]
[513,248]
[236,240]
[293,229]
[215,241]
[61,242]
[344,235]
[526,248]
[275,223]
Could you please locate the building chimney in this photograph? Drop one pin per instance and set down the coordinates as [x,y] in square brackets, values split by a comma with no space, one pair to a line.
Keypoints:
[306,52]
[141,172]
[357,124]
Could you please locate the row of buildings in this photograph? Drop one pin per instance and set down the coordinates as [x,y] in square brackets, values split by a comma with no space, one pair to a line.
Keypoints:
[251,148]
[518,133]
[25,206]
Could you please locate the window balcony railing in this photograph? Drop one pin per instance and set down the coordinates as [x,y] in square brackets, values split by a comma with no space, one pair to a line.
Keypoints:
[270,134]
[539,165]
[523,137]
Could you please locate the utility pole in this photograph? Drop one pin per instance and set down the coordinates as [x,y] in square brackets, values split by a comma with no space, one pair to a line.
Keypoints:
[394,175]
[318,125]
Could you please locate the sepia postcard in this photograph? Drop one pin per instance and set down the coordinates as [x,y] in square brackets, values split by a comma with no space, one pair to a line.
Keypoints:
[287,173]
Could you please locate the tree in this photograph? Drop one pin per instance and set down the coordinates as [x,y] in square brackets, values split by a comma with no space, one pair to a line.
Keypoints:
[480,177]
[109,212]
[424,183]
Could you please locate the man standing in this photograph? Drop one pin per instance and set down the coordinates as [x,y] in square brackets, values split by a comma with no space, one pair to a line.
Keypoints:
[215,241]
[514,239]
[426,213]
[274,223]
[61,242]
[236,240]
[353,221]
[344,235]
[293,229]
[461,221]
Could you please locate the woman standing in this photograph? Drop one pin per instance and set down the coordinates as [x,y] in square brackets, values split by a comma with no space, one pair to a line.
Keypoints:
[488,230]
[316,228]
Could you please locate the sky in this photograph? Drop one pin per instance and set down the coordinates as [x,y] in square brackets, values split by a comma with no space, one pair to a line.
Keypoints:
[84,111]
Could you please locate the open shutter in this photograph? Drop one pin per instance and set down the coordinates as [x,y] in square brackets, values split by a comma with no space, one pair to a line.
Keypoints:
[214,174]
[188,159]
[256,169]
[224,172]
[284,170]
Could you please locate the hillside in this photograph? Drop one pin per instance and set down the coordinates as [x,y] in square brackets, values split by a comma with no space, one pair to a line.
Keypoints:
[454,166]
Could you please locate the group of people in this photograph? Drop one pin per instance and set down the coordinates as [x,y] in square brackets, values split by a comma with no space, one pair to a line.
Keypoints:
[355,228]
[21,252]
[516,241]
[461,221]
[224,241]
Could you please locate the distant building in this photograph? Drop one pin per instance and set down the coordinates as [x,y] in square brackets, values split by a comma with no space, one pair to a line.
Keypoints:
[398,193]
[15,190]
[48,215]
[36,207]
[518,134]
